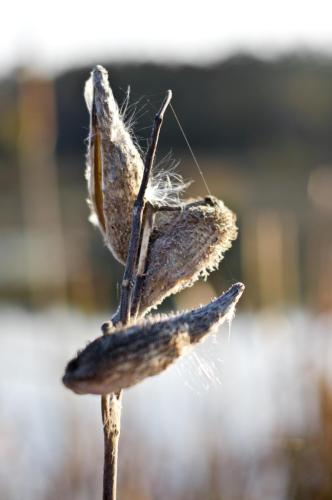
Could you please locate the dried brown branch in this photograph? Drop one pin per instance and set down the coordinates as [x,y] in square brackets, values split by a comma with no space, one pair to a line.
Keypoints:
[148,218]
[111,417]
[135,264]
[127,283]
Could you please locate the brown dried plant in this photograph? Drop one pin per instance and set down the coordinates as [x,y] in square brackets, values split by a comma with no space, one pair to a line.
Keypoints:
[129,355]
[165,247]
[186,243]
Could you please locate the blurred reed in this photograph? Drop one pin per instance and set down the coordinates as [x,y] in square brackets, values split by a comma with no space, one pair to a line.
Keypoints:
[262,430]
[51,272]
[49,252]
[44,241]
[270,258]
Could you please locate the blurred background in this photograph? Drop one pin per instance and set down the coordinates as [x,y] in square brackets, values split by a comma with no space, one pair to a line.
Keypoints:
[249,416]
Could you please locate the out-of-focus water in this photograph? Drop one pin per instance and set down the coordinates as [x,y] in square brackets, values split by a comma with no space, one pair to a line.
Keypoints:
[246,415]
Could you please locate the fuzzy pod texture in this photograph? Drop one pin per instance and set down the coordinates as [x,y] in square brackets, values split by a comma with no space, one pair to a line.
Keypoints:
[129,355]
[114,165]
[185,245]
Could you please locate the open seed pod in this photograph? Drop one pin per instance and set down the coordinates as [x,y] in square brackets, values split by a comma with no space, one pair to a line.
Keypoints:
[114,166]
[185,244]
[129,355]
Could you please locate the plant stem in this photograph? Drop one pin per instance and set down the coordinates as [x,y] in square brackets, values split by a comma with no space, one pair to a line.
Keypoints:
[133,250]
[111,414]
[137,256]
[148,221]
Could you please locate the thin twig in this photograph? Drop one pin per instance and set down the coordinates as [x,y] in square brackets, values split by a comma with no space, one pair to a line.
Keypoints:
[111,403]
[148,219]
[127,283]
[111,414]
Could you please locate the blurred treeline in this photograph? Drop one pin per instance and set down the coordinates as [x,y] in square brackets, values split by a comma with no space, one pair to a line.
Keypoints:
[261,131]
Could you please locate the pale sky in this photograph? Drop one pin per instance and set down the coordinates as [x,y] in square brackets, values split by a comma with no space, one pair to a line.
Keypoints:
[57,35]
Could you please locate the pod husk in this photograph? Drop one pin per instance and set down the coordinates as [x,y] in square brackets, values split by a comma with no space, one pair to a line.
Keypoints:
[185,245]
[131,354]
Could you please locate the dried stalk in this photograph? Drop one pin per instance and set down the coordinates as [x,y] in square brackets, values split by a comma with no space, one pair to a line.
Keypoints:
[166,248]
[133,250]
[149,216]
[136,260]
[111,416]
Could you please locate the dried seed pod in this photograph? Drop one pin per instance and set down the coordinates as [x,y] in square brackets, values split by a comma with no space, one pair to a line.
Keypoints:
[185,245]
[114,166]
[129,355]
